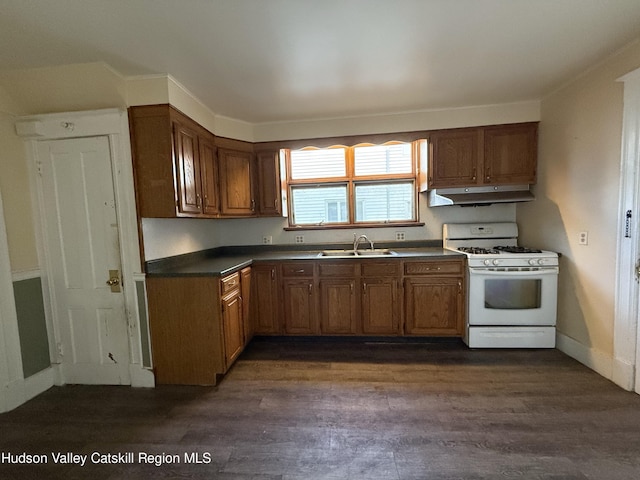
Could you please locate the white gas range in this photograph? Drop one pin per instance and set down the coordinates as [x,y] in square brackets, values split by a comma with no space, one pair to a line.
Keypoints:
[512,290]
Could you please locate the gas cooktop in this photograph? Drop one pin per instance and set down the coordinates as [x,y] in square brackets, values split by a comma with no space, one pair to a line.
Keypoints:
[497,250]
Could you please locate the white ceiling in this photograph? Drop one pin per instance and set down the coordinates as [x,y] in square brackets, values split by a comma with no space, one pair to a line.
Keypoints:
[276,60]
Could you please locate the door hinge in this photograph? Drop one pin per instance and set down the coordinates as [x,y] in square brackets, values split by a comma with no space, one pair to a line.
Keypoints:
[39,167]
[637,270]
[59,349]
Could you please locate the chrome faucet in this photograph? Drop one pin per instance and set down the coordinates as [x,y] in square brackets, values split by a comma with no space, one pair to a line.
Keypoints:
[356,241]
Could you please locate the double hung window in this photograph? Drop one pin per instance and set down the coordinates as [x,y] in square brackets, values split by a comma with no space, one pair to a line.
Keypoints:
[365,184]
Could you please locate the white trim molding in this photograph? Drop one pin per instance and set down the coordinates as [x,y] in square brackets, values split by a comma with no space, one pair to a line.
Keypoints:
[113,124]
[588,356]
[11,373]
[30,274]
[626,341]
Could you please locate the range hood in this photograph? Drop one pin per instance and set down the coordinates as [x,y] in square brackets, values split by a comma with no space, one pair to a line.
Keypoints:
[469,196]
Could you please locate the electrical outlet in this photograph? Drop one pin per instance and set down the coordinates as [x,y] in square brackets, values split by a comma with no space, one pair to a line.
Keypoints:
[299,238]
[583,238]
[400,236]
[267,240]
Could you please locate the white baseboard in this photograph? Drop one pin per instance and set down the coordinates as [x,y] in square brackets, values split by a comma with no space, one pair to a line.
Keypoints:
[141,377]
[623,374]
[38,383]
[22,390]
[612,369]
[592,358]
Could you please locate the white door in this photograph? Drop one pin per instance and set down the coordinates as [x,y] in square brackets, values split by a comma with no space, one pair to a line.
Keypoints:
[82,247]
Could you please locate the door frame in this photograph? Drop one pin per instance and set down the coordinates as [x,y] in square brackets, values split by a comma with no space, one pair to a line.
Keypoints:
[12,389]
[113,124]
[626,345]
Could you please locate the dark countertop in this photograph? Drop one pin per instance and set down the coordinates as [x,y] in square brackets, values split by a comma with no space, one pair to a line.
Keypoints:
[225,260]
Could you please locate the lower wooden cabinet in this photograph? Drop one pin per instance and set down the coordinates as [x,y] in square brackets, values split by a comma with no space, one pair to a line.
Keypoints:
[197,327]
[245,285]
[366,297]
[434,298]
[232,326]
[299,306]
[265,299]
[338,306]
[380,307]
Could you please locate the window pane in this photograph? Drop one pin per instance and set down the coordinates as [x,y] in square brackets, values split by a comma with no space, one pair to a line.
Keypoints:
[381,159]
[380,202]
[319,204]
[321,163]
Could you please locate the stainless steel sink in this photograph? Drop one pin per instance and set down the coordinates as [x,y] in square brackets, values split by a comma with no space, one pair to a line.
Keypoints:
[377,252]
[337,253]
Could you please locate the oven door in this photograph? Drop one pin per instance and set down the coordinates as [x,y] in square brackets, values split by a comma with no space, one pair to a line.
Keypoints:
[517,297]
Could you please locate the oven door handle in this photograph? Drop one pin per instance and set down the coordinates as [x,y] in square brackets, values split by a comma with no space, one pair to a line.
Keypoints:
[514,273]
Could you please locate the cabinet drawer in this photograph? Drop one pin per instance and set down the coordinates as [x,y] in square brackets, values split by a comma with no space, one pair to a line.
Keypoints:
[386,269]
[230,282]
[434,267]
[297,269]
[346,269]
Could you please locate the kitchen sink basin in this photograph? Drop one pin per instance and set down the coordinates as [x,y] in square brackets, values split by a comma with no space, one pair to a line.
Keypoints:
[377,252]
[337,253]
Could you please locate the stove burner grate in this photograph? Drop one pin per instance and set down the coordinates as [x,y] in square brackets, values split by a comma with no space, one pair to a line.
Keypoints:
[512,249]
[479,250]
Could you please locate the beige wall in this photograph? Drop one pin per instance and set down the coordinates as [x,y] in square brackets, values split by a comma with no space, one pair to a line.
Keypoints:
[578,188]
[16,196]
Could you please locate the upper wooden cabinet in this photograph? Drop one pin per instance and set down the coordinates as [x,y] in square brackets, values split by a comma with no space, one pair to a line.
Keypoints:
[236,183]
[454,158]
[510,154]
[492,155]
[268,183]
[183,170]
[174,162]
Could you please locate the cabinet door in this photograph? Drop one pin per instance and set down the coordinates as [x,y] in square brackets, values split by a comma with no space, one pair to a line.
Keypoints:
[232,327]
[209,175]
[236,192]
[380,306]
[433,306]
[510,154]
[265,301]
[245,285]
[268,184]
[187,169]
[454,159]
[338,306]
[299,306]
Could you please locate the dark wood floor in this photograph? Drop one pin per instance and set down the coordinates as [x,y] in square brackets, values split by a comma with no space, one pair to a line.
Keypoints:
[343,410]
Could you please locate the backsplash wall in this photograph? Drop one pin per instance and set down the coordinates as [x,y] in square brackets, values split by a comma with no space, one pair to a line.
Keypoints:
[169,237]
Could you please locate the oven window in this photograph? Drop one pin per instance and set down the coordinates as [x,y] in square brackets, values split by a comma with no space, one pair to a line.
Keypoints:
[512,294]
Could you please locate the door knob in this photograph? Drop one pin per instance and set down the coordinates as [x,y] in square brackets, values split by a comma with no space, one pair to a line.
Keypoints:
[114,281]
